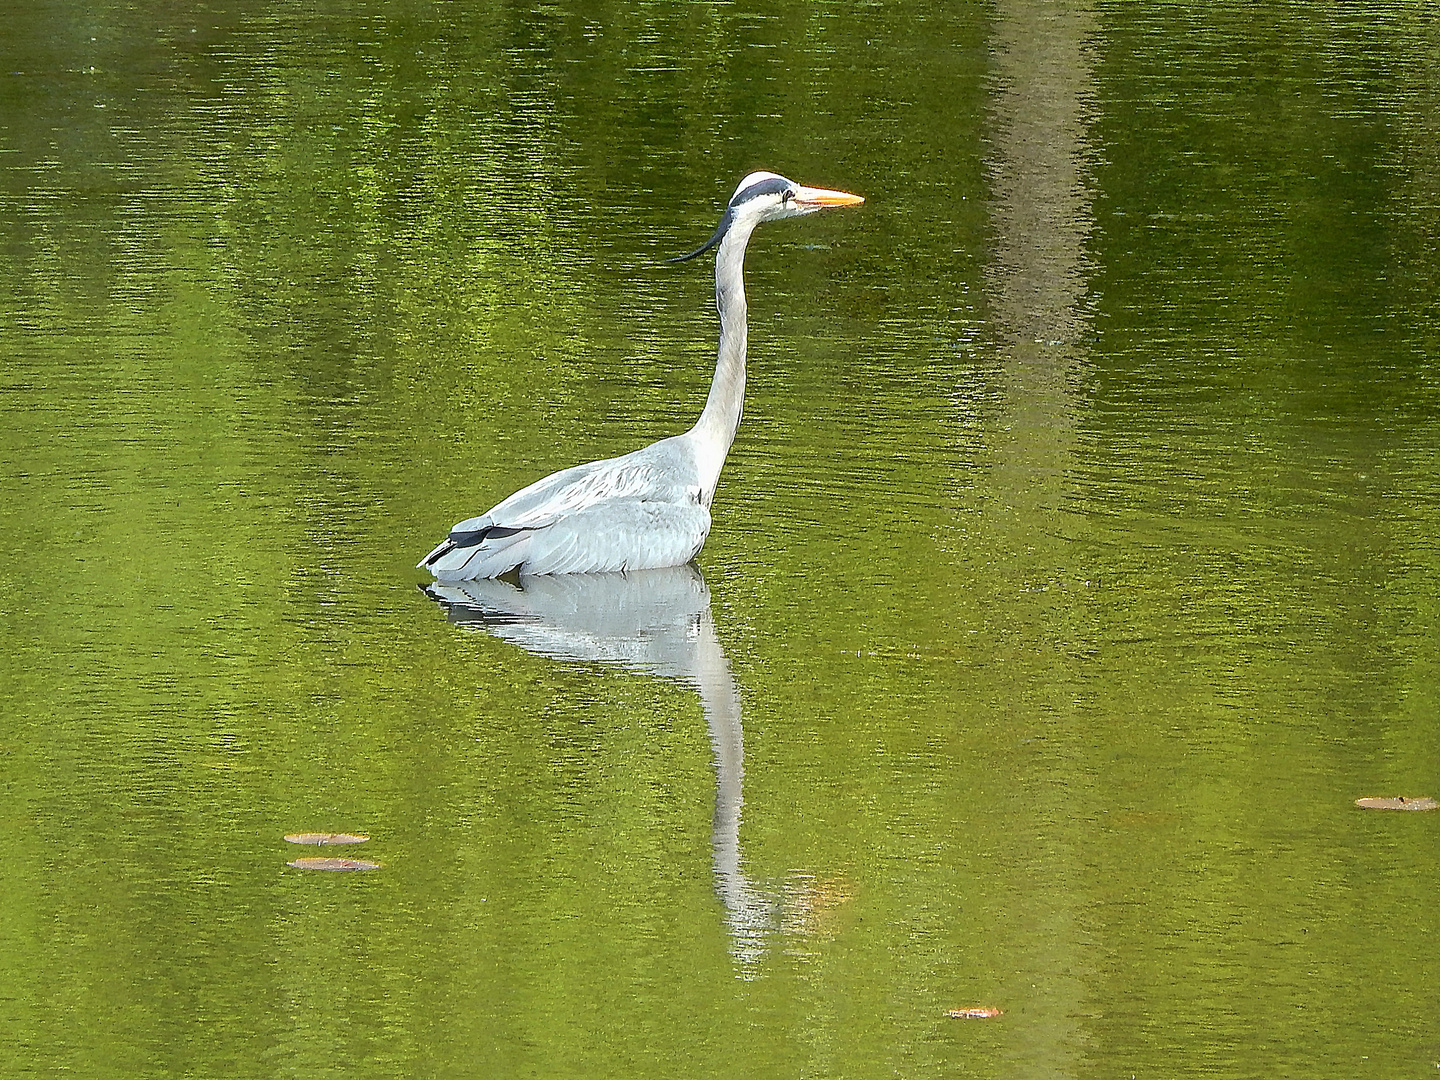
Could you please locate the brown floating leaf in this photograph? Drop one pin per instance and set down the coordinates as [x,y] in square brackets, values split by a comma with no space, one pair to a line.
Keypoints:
[316,863]
[325,838]
[1399,802]
[979,1012]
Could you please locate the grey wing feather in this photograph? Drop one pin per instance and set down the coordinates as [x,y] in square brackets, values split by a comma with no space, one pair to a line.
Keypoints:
[575,489]
[619,513]
[620,534]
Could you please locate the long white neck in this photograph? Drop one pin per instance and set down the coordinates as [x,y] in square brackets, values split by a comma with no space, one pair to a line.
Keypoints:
[715,430]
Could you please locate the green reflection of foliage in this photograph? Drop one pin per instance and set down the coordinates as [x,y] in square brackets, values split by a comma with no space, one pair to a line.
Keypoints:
[285,296]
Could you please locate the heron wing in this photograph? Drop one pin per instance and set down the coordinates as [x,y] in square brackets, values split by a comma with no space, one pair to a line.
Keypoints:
[537,506]
[574,489]
[629,512]
[619,534]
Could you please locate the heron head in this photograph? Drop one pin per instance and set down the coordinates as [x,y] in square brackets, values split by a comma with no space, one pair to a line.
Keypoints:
[765,196]
[770,197]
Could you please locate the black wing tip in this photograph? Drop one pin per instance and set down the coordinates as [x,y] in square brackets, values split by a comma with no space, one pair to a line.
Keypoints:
[440,552]
[466,539]
[478,536]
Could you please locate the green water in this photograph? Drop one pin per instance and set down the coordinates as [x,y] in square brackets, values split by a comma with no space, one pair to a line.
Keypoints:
[1073,573]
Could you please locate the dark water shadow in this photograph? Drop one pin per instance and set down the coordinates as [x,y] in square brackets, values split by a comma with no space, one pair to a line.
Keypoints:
[652,621]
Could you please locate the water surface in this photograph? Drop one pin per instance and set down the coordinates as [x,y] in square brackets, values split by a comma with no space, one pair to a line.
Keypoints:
[1074,571]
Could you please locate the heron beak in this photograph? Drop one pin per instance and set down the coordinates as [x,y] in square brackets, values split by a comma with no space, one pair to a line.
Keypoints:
[812,198]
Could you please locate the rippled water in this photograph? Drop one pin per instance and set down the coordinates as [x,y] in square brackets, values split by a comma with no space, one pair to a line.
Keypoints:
[1074,571]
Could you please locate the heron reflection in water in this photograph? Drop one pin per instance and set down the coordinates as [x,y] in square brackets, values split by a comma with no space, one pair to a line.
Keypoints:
[649,508]
[653,621]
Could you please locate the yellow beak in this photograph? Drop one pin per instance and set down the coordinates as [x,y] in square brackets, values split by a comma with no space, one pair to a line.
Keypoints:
[821,197]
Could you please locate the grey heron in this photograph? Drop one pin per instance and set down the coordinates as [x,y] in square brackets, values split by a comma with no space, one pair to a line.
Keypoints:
[649,508]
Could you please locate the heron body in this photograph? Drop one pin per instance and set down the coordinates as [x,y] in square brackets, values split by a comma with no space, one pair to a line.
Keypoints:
[649,508]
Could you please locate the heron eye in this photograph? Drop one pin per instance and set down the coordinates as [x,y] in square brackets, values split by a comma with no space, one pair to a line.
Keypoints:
[789,194]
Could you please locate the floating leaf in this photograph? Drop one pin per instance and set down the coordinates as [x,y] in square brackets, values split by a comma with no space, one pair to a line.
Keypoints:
[1399,802]
[325,838]
[316,863]
[979,1012]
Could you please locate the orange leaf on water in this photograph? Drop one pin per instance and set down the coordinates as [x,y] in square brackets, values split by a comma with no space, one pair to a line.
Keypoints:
[979,1012]
[333,864]
[1399,802]
[325,838]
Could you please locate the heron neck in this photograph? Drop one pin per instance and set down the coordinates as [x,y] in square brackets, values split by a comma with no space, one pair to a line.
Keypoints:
[715,430]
